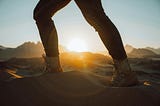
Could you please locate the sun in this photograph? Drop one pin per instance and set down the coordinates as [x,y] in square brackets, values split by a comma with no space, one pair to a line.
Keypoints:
[77,45]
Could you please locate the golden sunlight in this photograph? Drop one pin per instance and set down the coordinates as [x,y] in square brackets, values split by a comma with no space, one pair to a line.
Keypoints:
[77,45]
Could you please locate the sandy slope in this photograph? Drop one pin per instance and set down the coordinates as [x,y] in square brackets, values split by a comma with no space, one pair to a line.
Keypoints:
[74,89]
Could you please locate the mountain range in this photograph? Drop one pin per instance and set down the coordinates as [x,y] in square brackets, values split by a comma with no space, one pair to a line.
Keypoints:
[157,51]
[31,49]
[141,52]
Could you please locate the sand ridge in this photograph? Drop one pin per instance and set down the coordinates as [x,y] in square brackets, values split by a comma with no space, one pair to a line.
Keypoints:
[75,88]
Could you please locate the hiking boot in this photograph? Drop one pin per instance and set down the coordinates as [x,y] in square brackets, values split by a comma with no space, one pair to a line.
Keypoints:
[52,64]
[123,75]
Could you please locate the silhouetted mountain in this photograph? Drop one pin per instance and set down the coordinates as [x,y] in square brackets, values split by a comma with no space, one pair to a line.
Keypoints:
[6,53]
[2,47]
[141,52]
[129,48]
[26,50]
[62,49]
[157,51]
[31,49]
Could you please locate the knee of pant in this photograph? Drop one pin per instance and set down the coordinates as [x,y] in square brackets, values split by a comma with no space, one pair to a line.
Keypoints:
[94,18]
[40,15]
[91,18]
[94,14]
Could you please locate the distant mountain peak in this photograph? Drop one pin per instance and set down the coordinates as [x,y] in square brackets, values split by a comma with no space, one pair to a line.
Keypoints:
[128,48]
[141,52]
[157,51]
[2,47]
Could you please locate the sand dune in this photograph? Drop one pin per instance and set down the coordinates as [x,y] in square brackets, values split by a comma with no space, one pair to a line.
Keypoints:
[75,89]
[86,87]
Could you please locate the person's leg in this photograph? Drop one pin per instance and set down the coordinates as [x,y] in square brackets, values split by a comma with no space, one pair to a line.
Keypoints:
[94,14]
[43,12]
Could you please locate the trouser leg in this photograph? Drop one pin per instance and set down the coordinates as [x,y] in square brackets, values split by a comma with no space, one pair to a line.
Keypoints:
[43,12]
[94,14]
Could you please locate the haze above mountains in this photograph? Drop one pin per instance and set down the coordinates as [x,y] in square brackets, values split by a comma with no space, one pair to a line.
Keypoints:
[31,49]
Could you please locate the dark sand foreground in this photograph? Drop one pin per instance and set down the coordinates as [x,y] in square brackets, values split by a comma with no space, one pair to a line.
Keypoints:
[75,89]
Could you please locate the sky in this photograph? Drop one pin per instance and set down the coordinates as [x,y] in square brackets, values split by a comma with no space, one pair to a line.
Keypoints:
[137,21]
